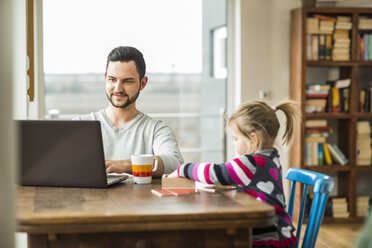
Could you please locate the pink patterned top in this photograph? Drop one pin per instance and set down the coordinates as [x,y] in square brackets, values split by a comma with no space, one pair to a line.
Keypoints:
[259,175]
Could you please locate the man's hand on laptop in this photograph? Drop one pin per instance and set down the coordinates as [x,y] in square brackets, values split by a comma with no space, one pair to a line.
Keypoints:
[118,166]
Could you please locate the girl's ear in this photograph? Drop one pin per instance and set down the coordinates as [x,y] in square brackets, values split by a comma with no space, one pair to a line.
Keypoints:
[256,140]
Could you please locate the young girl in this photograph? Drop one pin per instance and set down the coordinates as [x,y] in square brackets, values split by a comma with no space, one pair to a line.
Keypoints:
[257,171]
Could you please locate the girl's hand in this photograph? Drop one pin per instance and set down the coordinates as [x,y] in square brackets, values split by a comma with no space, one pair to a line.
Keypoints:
[174,174]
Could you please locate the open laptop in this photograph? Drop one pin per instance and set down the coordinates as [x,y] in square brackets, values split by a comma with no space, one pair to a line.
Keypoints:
[62,153]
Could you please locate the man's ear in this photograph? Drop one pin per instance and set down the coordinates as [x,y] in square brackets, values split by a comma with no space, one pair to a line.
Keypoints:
[144,82]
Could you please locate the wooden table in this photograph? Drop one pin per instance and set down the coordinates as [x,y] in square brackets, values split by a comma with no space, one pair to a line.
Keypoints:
[129,215]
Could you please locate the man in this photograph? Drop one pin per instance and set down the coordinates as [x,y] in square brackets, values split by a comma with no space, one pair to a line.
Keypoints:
[125,130]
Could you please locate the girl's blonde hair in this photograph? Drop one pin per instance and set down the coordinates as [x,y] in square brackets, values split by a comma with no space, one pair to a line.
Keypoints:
[258,117]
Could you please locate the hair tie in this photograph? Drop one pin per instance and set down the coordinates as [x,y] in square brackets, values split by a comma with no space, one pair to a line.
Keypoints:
[274,108]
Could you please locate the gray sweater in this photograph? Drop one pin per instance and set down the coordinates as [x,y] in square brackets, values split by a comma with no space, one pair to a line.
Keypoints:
[142,135]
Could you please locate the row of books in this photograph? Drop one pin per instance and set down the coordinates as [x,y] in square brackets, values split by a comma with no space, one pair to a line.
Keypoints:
[362,206]
[328,38]
[322,153]
[365,99]
[332,97]
[319,47]
[365,46]
[317,150]
[326,47]
[340,208]
[364,149]
[321,24]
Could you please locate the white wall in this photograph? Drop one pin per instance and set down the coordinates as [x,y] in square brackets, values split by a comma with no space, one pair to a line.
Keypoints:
[259,55]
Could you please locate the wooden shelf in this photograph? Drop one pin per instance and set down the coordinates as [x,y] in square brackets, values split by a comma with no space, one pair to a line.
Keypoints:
[329,63]
[363,115]
[337,115]
[328,168]
[338,63]
[328,116]
[363,168]
[303,72]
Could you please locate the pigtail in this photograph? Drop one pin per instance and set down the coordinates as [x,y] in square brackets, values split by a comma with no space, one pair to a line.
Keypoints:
[290,110]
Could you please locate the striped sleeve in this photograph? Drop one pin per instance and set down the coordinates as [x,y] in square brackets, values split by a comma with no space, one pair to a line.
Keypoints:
[237,171]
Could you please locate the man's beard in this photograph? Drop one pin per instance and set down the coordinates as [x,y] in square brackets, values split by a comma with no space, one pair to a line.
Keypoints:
[127,103]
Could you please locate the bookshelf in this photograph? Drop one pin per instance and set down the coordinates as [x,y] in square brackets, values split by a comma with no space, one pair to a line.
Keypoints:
[352,179]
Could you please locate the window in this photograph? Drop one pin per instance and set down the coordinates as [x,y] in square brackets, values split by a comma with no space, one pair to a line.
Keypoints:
[171,35]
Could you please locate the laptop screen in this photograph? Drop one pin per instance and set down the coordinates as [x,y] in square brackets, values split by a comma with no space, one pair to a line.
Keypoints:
[61,153]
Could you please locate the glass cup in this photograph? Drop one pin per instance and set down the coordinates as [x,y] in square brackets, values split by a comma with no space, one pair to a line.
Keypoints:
[142,167]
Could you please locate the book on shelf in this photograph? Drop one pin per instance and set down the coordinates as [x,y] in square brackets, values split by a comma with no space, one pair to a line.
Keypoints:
[364,161]
[322,47]
[316,123]
[365,99]
[308,47]
[361,47]
[363,143]
[318,129]
[312,25]
[341,34]
[327,155]
[324,17]
[363,206]
[365,46]
[345,100]
[320,154]
[363,201]
[314,153]
[341,215]
[323,88]
[343,83]
[339,97]
[343,18]
[344,25]
[365,23]
[338,199]
[337,155]
[340,207]
[336,100]
[316,139]
[326,27]
[363,127]
[340,153]
[315,105]
[328,47]
[341,39]
[316,98]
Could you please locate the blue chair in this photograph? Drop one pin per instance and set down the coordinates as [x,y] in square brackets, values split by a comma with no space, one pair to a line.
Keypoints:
[322,186]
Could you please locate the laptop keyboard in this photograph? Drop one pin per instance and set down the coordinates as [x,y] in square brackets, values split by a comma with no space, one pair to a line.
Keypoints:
[111,179]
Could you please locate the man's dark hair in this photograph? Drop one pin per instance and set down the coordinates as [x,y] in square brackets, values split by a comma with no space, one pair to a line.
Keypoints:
[126,54]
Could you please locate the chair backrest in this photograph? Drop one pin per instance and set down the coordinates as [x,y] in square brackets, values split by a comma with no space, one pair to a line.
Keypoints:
[322,186]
